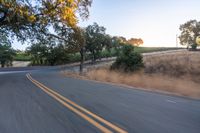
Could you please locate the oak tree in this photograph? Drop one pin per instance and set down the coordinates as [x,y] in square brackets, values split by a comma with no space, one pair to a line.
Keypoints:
[135,41]
[22,18]
[189,31]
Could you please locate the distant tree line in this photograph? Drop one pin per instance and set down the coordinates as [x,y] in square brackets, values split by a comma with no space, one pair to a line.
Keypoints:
[51,29]
[89,42]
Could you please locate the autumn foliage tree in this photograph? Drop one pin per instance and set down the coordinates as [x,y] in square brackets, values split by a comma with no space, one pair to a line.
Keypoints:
[25,17]
[36,20]
[23,11]
[135,41]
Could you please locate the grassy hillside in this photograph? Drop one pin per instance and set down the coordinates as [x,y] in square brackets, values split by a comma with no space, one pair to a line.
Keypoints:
[153,49]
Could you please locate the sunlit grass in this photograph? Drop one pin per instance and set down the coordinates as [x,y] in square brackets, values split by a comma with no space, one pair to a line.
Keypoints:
[176,73]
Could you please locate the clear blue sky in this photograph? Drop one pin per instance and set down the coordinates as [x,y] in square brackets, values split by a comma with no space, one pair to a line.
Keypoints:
[155,21]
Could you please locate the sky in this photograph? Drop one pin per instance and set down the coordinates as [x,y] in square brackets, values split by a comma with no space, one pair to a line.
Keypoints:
[155,21]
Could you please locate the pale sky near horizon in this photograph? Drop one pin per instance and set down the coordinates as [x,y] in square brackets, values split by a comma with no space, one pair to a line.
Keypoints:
[155,21]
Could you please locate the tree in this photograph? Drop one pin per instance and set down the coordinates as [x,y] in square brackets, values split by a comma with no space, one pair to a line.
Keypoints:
[77,43]
[96,40]
[135,41]
[38,53]
[6,52]
[26,11]
[189,31]
[73,40]
[54,49]
[117,44]
[128,60]
[122,39]
[30,18]
[56,55]
[47,54]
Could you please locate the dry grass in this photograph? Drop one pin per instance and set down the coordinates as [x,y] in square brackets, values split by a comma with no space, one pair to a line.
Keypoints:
[178,65]
[177,73]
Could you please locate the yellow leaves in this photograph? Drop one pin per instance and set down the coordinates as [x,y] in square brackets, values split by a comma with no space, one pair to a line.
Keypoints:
[68,16]
[62,10]
[60,1]
[25,13]
[198,40]
[2,2]
[65,11]
[21,12]
[31,18]
[70,1]
[6,3]
[44,21]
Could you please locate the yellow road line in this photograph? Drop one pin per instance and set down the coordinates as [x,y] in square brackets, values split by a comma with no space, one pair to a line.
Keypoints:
[93,122]
[77,106]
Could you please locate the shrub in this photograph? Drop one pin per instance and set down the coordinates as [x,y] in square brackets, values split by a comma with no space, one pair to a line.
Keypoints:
[194,46]
[128,60]
[22,57]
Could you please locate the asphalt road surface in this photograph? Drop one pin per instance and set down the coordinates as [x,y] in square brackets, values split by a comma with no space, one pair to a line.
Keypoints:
[45,101]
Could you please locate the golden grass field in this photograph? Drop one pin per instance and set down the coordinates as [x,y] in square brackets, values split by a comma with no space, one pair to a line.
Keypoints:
[177,73]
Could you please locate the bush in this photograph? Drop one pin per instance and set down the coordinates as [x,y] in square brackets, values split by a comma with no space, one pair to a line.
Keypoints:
[128,60]
[22,57]
[194,46]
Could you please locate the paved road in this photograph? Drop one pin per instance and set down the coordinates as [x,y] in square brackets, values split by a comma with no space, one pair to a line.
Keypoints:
[34,105]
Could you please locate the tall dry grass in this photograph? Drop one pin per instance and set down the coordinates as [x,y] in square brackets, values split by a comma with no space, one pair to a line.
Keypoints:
[177,73]
[178,65]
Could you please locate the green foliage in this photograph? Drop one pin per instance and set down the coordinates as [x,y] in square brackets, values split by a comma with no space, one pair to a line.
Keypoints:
[96,40]
[107,53]
[128,60]
[194,46]
[117,43]
[6,55]
[44,54]
[22,56]
[6,51]
[23,18]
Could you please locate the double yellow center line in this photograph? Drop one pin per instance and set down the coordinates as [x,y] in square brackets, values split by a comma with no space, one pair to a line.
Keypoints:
[82,112]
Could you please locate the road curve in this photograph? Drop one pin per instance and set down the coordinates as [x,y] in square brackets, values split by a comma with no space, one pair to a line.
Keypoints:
[27,108]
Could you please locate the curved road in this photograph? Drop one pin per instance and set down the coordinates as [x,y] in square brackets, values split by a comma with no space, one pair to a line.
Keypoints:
[47,102]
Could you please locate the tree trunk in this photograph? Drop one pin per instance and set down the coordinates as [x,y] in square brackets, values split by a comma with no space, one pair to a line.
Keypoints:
[82,53]
[41,61]
[2,64]
[93,57]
